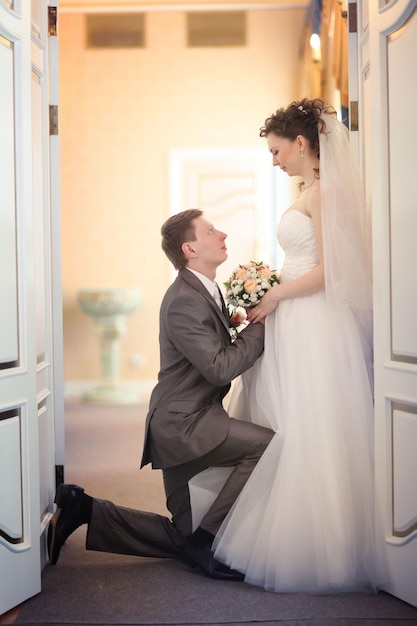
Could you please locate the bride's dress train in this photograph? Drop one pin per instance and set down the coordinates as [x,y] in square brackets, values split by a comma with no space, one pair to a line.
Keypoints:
[305,519]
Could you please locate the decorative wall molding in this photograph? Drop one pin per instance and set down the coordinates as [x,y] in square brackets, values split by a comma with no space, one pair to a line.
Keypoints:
[72,6]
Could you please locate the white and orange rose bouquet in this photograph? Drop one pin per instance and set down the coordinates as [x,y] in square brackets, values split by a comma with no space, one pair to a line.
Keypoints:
[249,283]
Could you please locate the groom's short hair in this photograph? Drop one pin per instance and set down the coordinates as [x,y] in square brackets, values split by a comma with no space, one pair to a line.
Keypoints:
[177,230]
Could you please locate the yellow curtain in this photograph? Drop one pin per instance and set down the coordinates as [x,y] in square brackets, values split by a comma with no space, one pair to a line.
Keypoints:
[334,51]
[330,72]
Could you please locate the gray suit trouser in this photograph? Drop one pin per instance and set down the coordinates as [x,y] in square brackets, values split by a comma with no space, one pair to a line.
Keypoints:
[128,531]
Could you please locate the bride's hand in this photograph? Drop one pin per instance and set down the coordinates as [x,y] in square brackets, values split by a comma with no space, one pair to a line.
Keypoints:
[266,305]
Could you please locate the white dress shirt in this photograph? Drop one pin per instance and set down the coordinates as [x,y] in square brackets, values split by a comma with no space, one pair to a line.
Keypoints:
[212,287]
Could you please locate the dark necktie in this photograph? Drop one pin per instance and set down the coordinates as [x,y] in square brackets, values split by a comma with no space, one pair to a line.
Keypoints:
[220,302]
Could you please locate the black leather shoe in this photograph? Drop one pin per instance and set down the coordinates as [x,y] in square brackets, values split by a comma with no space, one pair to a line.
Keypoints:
[204,559]
[66,518]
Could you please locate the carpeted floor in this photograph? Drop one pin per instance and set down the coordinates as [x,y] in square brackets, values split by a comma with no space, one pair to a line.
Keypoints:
[103,449]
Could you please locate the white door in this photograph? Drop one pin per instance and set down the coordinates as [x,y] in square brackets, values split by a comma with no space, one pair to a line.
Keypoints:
[387,92]
[28,339]
[239,192]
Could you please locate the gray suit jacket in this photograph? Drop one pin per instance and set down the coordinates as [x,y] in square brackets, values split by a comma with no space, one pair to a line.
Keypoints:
[186,419]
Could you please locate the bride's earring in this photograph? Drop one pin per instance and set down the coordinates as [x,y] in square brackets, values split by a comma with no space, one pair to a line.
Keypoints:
[302,153]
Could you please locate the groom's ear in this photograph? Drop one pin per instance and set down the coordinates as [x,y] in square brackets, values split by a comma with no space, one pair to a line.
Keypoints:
[188,250]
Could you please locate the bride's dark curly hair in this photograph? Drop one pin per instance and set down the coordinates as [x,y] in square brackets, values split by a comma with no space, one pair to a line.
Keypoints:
[301,117]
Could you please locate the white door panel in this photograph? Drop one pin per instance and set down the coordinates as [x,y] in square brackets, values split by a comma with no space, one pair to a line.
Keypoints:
[27,429]
[8,313]
[393,124]
[382,77]
[10,504]
[19,525]
[240,193]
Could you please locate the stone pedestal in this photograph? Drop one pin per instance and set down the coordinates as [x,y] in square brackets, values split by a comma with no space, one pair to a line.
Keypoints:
[109,308]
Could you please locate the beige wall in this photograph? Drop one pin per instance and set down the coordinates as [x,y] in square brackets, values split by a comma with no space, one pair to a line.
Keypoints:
[121,111]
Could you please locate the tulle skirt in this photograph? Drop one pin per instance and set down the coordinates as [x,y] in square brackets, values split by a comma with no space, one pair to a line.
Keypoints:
[305,521]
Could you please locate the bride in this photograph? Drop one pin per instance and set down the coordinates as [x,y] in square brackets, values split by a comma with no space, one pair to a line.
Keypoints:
[304,521]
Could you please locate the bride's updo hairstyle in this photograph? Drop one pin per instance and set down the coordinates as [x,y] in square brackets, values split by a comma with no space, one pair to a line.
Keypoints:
[345,219]
[301,117]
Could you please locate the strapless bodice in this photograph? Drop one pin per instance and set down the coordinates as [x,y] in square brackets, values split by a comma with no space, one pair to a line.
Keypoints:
[297,238]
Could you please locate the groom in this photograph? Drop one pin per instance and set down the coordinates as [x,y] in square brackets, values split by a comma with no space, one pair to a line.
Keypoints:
[187,429]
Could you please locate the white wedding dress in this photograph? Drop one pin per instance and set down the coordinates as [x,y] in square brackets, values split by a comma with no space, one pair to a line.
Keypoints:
[305,520]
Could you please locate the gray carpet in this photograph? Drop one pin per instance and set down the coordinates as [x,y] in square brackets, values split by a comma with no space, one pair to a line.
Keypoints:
[103,447]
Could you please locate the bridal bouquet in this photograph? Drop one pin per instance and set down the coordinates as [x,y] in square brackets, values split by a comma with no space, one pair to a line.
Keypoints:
[249,283]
